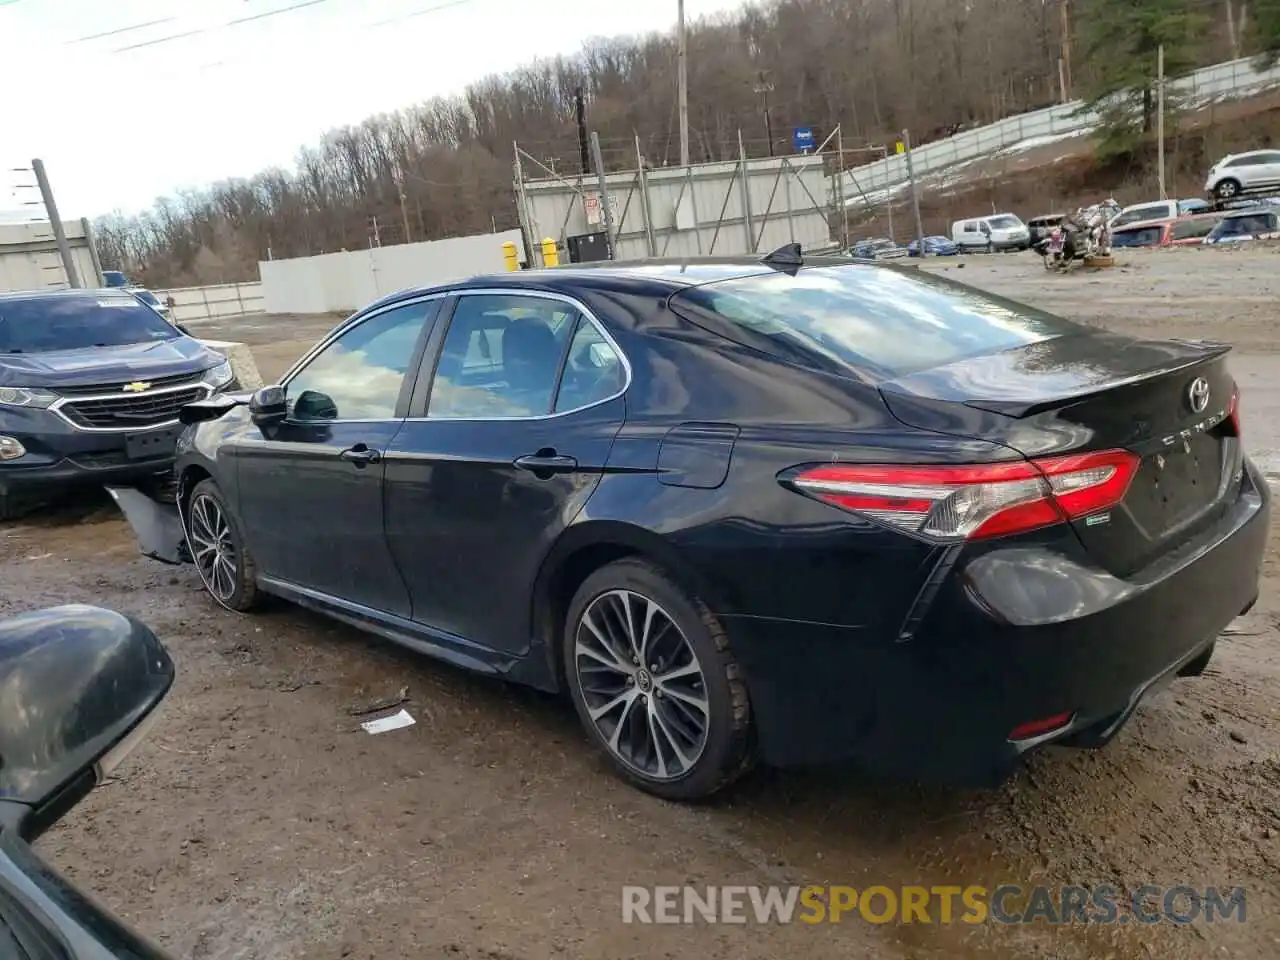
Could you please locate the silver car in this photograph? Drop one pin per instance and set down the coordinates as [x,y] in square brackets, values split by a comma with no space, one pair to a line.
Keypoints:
[1242,173]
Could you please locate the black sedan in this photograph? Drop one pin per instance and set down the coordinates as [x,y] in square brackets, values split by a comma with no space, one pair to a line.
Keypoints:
[798,510]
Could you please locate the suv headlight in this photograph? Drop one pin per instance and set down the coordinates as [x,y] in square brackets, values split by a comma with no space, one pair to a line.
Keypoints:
[220,375]
[26,397]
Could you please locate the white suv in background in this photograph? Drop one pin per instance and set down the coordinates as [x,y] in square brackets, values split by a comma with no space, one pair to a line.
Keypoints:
[1240,173]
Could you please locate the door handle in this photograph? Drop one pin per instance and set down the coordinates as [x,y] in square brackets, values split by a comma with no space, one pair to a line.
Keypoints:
[546,462]
[360,455]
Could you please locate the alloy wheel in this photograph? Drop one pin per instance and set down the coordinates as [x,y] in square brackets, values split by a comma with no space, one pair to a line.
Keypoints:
[213,548]
[642,684]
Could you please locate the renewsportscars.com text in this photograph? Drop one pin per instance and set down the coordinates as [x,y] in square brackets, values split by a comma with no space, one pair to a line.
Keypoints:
[1004,904]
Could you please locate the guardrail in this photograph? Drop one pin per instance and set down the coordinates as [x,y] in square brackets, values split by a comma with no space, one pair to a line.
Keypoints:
[1223,81]
[214,302]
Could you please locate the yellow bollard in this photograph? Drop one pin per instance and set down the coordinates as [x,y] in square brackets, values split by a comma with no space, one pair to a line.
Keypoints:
[511,256]
[550,255]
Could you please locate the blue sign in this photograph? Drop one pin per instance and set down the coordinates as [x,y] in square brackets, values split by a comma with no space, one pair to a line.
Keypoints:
[802,139]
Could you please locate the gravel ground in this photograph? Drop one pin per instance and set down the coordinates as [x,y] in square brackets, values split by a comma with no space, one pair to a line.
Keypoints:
[259,822]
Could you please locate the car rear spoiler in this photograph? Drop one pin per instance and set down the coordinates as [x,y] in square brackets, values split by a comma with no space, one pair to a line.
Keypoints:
[157,525]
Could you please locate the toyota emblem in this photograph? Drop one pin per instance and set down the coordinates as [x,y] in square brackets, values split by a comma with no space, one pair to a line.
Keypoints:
[1198,394]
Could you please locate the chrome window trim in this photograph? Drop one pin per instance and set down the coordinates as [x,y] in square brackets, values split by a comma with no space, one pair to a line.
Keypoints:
[538,295]
[57,405]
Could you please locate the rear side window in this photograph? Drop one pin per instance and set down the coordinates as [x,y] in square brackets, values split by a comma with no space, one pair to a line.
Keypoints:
[875,322]
[1138,237]
[47,324]
[501,357]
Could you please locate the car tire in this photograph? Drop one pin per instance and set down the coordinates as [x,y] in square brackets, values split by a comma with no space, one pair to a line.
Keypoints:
[217,546]
[1227,189]
[678,726]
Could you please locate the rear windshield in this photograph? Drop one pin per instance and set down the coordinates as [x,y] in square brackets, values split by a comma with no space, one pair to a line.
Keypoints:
[45,324]
[860,319]
[1141,237]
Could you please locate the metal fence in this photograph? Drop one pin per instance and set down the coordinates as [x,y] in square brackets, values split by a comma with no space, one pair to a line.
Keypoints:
[1224,81]
[215,302]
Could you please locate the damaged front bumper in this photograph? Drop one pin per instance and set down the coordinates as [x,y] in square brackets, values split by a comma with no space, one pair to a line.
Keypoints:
[156,522]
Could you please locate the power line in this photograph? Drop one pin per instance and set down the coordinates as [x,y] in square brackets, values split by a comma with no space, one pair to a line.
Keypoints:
[120,30]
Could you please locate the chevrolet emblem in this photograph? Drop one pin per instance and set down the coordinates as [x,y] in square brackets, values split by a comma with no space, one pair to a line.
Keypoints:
[138,386]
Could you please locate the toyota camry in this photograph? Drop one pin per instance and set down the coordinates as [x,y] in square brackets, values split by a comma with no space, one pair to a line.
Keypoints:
[792,510]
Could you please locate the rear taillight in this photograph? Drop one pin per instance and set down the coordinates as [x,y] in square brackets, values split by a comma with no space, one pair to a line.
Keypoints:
[974,501]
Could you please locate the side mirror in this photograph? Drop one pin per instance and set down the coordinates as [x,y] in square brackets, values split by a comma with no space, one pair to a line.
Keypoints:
[79,687]
[267,406]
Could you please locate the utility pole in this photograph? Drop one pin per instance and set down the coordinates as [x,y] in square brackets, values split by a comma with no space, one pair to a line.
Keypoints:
[915,196]
[1066,50]
[764,88]
[606,209]
[682,71]
[55,221]
[580,109]
[404,206]
[1160,117]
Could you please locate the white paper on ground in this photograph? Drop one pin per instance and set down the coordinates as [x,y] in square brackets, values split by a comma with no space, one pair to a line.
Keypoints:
[393,722]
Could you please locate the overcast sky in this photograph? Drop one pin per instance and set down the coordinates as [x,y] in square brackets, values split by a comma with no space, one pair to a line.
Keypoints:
[127,100]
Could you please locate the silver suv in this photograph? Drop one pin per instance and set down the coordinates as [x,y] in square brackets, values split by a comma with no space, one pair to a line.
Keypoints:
[1241,173]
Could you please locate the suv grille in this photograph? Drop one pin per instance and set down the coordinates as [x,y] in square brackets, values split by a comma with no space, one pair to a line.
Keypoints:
[97,389]
[131,410]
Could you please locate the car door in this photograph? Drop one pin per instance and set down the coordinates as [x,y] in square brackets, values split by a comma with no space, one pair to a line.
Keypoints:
[1267,171]
[506,440]
[310,489]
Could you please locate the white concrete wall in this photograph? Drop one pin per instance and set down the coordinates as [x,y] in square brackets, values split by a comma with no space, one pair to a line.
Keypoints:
[214,301]
[343,282]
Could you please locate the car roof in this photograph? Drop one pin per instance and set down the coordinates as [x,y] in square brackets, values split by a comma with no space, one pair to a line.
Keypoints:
[658,277]
[116,293]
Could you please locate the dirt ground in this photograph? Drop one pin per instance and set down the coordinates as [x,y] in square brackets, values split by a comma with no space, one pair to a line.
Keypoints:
[260,822]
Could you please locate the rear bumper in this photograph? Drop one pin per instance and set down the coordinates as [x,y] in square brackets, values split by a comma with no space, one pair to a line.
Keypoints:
[1012,636]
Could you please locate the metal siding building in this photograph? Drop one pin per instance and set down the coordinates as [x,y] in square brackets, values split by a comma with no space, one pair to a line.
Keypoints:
[692,211]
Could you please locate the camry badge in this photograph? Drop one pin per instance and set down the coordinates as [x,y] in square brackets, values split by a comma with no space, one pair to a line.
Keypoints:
[138,386]
[1198,394]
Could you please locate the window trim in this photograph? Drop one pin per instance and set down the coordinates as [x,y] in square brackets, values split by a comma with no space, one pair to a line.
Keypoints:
[358,319]
[420,404]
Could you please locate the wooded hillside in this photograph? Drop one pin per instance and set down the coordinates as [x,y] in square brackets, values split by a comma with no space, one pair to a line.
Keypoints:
[874,66]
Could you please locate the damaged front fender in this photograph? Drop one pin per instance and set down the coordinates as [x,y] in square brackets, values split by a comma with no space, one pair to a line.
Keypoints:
[157,525]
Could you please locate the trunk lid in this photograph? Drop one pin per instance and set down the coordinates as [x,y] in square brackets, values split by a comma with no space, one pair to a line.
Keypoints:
[1095,391]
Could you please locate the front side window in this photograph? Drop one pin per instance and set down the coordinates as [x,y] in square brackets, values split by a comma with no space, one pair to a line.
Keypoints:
[359,376]
[501,357]
[1190,229]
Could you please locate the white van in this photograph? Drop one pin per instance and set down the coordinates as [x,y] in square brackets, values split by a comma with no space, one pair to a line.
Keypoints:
[1002,231]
